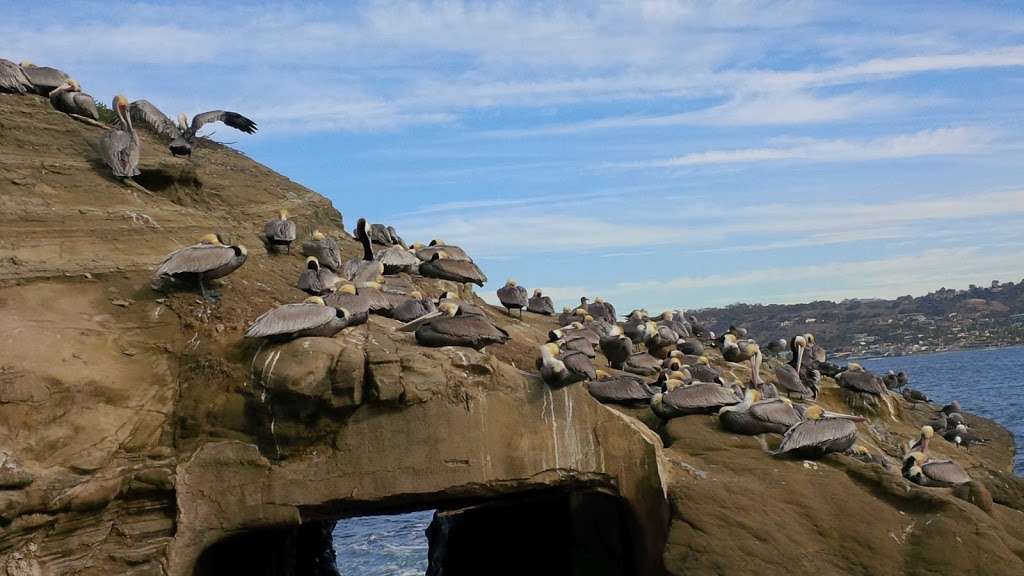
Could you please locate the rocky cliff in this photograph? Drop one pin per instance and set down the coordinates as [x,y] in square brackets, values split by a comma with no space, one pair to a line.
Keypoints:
[140,434]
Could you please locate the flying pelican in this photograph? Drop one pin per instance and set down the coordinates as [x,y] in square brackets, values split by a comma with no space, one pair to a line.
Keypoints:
[120,145]
[183,134]
[540,304]
[310,318]
[819,434]
[446,327]
[560,368]
[698,398]
[415,307]
[13,79]
[279,231]
[43,78]
[325,249]
[316,280]
[211,258]
[619,389]
[616,347]
[512,295]
[69,99]
[920,470]
[440,266]
[756,416]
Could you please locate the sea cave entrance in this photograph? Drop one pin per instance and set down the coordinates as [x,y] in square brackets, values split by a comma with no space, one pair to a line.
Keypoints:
[560,531]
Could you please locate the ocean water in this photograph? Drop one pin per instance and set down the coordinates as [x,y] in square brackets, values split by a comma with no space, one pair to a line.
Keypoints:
[987,382]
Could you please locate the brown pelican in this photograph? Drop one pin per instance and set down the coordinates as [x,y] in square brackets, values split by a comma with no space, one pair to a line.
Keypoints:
[211,258]
[806,379]
[561,368]
[734,350]
[638,328]
[415,307]
[690,347]
[819,434]
[699,329]
[397,259]
[616,347]
[961,436]
[703,371]
[601,310]
[577,342]
[279,232]
[575,330]
[446,327]
[325,249]
[660,339]
[755,416]
[367,268]
[43,78]
[120,145]
[920,470]
[69,99]
[384,235]
[358,305]
[426,253]
[619,389]
[921,444]
[776,347]
[911,395]
[316,280]
[675,320]
[13,79]
[698,398]
[951,408]
[895,381]
[183,134]
[788,380]
[440,266]
[863,388]
[310,318]
[540,304]
[512,295]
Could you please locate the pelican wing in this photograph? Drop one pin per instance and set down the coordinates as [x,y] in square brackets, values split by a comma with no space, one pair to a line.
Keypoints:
[700,396]
[541,305]
[789,380]
[290,318]
[233,119]
[945,471]
[326,251]
[512,296]
[358,270]
[145,112]
[577,362]
[119,152]
[823,433]
[13,78]
[281,230]
[861,382]
[396,256]
[775,411]
[195,259]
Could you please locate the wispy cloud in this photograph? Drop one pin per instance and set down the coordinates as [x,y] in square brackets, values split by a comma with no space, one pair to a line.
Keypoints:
[938,142]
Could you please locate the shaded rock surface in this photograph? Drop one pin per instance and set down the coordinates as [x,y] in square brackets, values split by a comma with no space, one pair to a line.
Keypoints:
[142,433]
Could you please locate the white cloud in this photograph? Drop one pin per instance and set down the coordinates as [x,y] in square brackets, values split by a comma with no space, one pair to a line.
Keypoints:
[938,142]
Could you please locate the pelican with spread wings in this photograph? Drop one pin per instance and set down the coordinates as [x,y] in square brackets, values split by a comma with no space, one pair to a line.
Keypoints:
[183,134]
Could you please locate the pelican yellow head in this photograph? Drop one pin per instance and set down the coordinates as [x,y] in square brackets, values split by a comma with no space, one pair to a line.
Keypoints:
[315,300]
[814,412]
[283,213]
[318,235]
[211,239]
[347,289]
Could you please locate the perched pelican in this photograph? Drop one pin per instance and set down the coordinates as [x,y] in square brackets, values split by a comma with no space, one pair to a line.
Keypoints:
[788,380]
[415,307]
[638,327]
[397,259]
[207,260]
[310,318]
[446,327]
[703,371]
[675,320]
[864,388]
[367,268]
[440,266]
[427,253]
[43,78]
[921,444]
[951,408]
[819,434]
[690,347]
[755,416]
[69,99]
[575,330]
[183,134]
[919,470]
[602,310]
[325,249]
[279,232]
[698,398]
[961,436]
[699,329]
[616,347]
[621,389]
[911,395]
[540,304]
[13,79]
[358,305]
[776,347]
[120,145]
[642,363]
[560,368]
[894,380]
[734,350]
[316,280]
[512,295]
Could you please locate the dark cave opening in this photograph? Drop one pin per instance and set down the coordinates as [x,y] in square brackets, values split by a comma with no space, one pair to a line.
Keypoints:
[564,532]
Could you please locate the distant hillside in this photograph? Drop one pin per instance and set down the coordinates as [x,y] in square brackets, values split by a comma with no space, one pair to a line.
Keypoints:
[946,319]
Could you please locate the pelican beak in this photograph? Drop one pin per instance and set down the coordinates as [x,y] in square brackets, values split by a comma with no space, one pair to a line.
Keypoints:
[799,358]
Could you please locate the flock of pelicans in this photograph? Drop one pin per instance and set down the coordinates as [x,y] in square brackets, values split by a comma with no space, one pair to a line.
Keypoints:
[652,361]
[658,362]
[119,146]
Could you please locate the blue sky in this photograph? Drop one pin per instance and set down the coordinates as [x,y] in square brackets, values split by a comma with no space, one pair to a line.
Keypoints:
[657,153]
